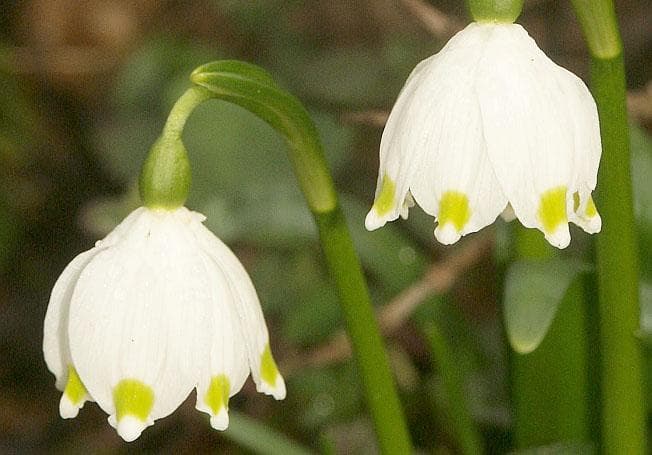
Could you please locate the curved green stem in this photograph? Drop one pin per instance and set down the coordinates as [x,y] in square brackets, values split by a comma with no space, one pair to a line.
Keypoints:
[253,89]
[182,109]
[165,177]
[623,398]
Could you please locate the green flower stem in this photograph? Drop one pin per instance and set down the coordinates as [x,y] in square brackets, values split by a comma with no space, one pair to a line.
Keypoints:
[165,177]
[182,109]
[470,440]
[550,386]
[598,21]
[363,331]
[623,398]
[253,89]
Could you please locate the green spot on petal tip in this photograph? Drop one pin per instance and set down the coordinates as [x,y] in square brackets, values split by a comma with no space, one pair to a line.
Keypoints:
[385,200]
[268,369]
[576,201]
[591,210]
[134,398]
[454,208]
[75,390]
[217,395]
[552,209]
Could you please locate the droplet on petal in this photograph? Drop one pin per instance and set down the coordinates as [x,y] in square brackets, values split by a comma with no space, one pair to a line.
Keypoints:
[272,383]
[133,404]
[553,218]
[217,400]
[74,395]
[454,213]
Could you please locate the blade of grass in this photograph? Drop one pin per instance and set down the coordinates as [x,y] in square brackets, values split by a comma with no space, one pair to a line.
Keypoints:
[259,438]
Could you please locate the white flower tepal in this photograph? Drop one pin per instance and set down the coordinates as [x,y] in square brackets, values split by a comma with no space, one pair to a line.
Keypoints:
[157,308]
[490,121]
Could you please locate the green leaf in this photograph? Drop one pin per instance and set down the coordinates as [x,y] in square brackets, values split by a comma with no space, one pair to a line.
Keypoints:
[641,144]
[259,438]
[646,312]
[533,291]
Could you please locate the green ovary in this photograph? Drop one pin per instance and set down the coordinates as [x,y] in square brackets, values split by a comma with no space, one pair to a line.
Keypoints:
[268,370]
[75,390]
[454,208]
[134,398]
[217,395]
[385,199]
[552,208]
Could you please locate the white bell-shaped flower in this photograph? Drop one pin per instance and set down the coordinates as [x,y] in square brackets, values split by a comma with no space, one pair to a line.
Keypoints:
[157,308]
[488,124]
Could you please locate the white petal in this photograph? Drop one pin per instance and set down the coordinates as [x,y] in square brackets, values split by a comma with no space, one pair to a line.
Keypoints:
[263,369]
[584,213]
[138,315]
[56,347]
[226,367]
[55,328]
[129,428]
[414,126]
[455,181]
[586,126]
[528,129]
[118,233]
[587,149]
[220,421]
[68,409]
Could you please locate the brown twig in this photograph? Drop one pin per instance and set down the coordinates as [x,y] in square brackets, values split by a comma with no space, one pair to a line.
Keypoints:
[374,118]
[438,279]
[433,20]
[639,103]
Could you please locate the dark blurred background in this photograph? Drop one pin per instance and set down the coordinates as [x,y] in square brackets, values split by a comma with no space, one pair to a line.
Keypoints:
[85,87]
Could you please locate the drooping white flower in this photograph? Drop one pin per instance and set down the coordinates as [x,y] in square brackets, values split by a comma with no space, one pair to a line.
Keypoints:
[491,123]
[157,308]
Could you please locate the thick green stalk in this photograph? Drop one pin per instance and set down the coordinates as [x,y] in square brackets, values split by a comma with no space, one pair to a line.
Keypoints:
[623,415]
[253,89]
[550,386]
[363,331]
